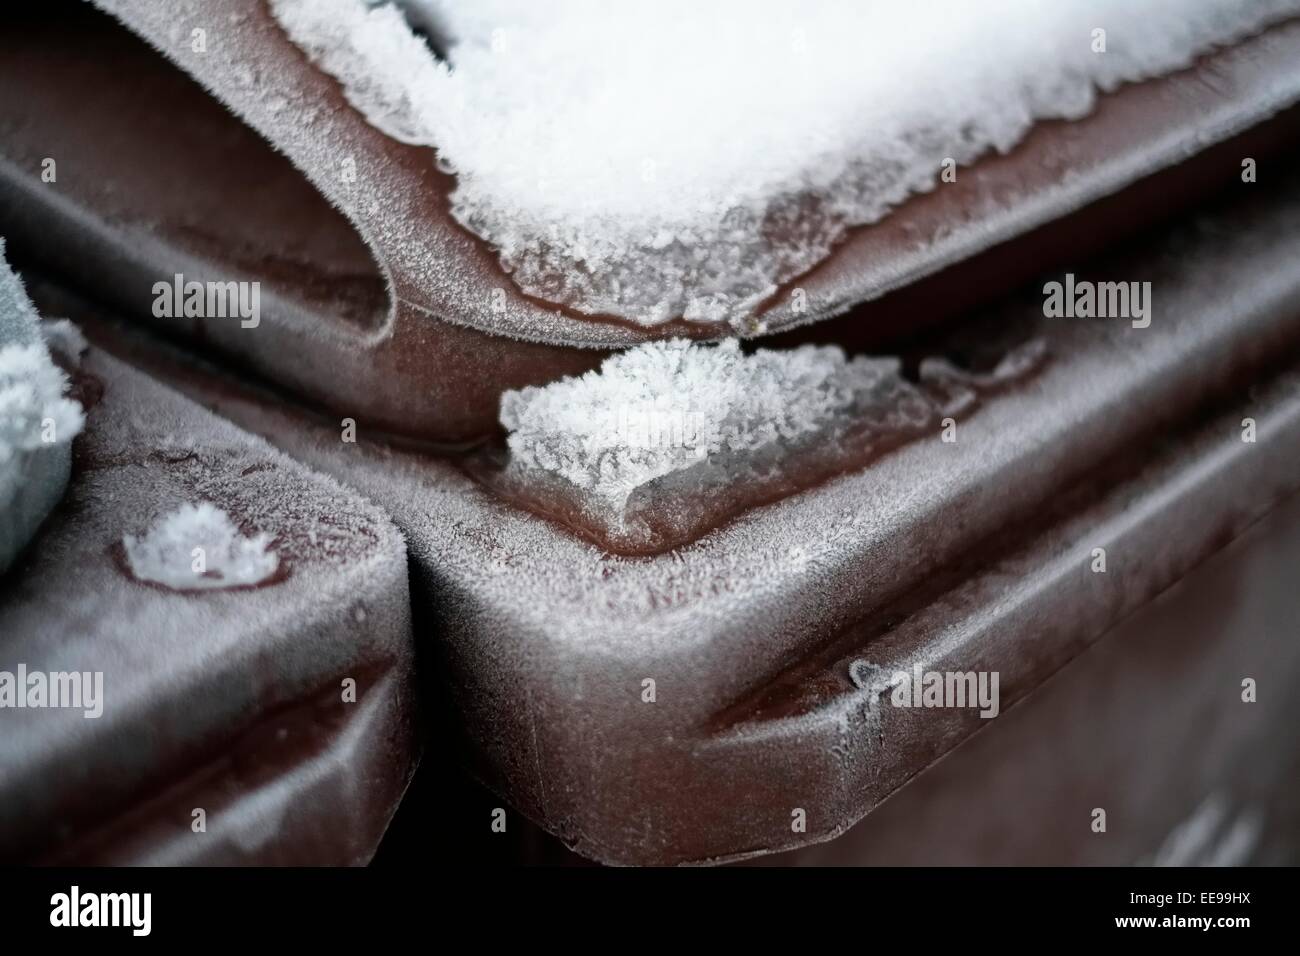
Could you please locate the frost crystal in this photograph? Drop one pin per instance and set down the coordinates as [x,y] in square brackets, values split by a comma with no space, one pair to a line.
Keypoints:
[670,439]
[668,406]
[681,158]
[198,547]
[33,411]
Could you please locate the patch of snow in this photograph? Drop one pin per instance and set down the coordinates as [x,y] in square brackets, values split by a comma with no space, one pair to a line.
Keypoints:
[34,413]
[198,547]
[672,438]
[684,158]
[667,406]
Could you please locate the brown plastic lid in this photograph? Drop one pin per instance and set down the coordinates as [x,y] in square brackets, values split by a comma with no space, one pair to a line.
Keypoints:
[380,307]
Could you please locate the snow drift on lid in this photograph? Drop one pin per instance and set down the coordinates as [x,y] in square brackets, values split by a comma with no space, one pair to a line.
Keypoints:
[681,158]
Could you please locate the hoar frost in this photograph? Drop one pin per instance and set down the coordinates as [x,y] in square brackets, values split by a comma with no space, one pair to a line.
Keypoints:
[197,547]
[670,439]
[667,406]
[33,411]
[683,158]
[34,414]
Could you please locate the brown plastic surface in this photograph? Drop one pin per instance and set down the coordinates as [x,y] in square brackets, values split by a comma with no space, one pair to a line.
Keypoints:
[229,701]
[970,556]
[1149,724]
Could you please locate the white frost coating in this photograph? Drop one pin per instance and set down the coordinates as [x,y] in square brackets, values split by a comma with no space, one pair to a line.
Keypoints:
[166,554]
[33,411]
[665,407]
[682,158]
